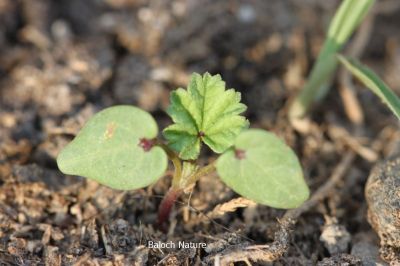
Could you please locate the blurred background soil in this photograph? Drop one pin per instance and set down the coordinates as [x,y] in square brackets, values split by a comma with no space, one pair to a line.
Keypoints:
[63,60]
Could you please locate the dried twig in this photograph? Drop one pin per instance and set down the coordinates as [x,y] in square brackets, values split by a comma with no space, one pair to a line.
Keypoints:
[325,190]
[341,134]
[258,253]
[221,209]
[107,245]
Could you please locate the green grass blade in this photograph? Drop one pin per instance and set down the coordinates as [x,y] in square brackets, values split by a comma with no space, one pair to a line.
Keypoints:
[348,16]
[373,82]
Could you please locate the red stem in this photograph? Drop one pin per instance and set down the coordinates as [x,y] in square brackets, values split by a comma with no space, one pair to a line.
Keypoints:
[166,204]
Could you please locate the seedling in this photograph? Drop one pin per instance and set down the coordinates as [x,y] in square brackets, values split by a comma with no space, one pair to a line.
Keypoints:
[119,148]
[347,18]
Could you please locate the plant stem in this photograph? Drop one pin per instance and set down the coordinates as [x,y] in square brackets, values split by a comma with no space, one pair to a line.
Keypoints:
[166,204]
[178,185]
[199,173]
[179,182]
[164,209]
[176,162]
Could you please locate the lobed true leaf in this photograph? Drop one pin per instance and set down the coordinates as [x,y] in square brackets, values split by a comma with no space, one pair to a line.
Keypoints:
[205,112]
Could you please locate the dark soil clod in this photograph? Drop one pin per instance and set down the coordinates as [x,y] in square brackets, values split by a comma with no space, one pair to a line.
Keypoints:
[383,196]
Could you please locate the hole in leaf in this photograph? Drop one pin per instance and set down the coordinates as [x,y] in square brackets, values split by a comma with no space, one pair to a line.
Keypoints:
[147,144]
[240,154]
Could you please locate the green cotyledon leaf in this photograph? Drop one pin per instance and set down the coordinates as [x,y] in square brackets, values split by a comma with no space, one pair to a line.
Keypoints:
[205,112]
[116,148]
[264,169]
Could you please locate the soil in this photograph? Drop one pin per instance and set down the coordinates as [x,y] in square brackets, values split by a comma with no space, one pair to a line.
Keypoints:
[62,61]
[384,211]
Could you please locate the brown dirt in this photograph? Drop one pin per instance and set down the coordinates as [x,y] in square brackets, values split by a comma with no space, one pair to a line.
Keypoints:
[61,61]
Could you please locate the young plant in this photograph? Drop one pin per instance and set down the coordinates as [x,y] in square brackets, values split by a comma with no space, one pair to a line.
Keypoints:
[119,148]
[346,19]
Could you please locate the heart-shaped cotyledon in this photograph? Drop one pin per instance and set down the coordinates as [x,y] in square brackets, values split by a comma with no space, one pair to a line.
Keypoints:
[263,168]
[116,148]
